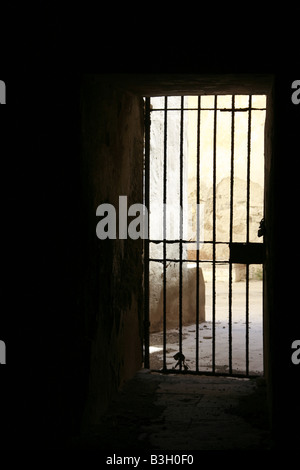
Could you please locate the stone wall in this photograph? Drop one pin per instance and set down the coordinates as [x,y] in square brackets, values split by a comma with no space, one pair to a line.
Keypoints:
[112,148]
[189,289]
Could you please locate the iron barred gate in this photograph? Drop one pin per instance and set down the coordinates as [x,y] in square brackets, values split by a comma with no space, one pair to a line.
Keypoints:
[204,190]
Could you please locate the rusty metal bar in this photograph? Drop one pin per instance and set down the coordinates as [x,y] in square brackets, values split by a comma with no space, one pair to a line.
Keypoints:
[248,232]
[248,169]
[146,241]
[231,233]
[181,228]
[214,239]
[247,319]
[211,109]
[189,241]
[198,232]
[172,260]
[165,236]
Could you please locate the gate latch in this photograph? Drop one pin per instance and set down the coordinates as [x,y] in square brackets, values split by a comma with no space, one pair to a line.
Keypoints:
[247,253]
[262,228]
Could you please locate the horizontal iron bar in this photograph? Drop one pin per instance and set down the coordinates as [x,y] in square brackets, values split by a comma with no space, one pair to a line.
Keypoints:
[241,109]
[209,109]
[187,241]
[171,260]
[203,372]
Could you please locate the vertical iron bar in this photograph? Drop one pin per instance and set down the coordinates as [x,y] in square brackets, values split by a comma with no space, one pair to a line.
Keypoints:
[214,239]
[247,319]
[146,241]
[198,232]
[231,231]
[248,231]
[248,168]
[165,235]
[181,228]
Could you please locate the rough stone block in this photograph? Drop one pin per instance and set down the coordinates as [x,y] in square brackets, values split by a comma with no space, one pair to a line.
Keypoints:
[189,289]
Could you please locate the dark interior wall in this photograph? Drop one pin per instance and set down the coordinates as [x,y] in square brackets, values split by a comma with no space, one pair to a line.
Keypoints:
[281,316]
[112,156]
[281,195]
[269,241]
[41,268]
[284,316]
[67,298]
[72,303]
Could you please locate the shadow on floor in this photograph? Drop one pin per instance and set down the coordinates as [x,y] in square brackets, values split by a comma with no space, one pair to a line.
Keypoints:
[186,412]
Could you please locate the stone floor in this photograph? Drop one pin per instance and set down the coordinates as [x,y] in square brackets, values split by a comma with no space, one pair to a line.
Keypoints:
[183,412]
[238,333]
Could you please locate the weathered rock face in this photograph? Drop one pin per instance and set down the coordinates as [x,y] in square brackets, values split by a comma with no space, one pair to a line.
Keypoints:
[189,290]
[239,210]
[223,211]
[239,225]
